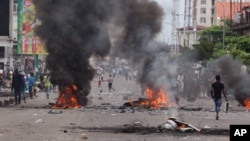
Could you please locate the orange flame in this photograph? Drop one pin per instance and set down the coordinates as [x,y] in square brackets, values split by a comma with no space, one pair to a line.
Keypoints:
[247,103]
[182,126]
[156,99]
[68,99]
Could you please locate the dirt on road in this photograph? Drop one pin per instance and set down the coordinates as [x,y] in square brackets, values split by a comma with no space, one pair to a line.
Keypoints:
[106,119]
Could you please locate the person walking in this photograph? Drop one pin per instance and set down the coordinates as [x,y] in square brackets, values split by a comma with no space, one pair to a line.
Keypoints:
[216,93]
[180,84]
[99,82]
[110,83]
[47,85]
[23,87]
[17,85]
[31,84]
[1,82]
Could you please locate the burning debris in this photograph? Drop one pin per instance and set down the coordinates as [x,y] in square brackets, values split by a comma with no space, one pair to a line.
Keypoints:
[174,124]
[247,103]
[68,98]
[155,99]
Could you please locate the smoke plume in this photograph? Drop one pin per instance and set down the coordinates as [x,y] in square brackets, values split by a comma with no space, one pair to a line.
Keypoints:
[235,77]
[73,31]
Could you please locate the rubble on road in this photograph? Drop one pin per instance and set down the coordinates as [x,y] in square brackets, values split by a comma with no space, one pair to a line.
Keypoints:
[174,124]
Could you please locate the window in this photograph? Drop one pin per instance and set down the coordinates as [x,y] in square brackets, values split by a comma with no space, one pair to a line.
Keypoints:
[1,52]
[14,49]
[202,20]
[203,10]
[212,10]
[1,66]
[213,2]
[203,2]
[15,8]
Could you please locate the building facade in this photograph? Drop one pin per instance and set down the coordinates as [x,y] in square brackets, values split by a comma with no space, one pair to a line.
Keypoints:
[8,36]
[205,13]
[199,15]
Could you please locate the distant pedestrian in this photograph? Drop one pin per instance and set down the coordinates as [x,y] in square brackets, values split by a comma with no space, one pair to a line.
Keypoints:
[99,82]
[216,91]
[31,84]
[23,87]
[110,83]
[180,84]
[41,86]
[17,85]
[1,82]
[102,74]
[47,85]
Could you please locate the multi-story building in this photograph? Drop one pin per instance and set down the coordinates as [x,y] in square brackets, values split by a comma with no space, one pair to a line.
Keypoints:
[204,10]
[198,15]
[8,36]
[240,13]
[206,13]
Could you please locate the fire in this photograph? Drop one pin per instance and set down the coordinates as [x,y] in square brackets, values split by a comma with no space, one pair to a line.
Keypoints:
[247,103]
[182,126]
[68,99]
[156,99]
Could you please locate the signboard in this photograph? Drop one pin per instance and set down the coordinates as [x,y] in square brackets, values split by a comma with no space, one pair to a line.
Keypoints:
[28,42]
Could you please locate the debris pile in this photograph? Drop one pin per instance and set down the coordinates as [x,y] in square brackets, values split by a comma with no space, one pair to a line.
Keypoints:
[174,124]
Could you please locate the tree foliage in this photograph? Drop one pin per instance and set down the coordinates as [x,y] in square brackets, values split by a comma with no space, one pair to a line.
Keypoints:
[211,44]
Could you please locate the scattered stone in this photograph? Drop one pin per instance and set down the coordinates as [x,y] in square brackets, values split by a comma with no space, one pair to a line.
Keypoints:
[137,123]
[54,112]
[206,127]
[123,111]
[72,124]
[39,121]
[84,136]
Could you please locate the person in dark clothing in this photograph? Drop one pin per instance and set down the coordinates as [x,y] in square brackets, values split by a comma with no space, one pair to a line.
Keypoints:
[31,83]
[17,85]
[23,87]
[110,83]
[216,91]
[1,82]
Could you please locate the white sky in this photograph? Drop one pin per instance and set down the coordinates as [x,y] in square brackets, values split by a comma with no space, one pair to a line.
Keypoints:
[168,6]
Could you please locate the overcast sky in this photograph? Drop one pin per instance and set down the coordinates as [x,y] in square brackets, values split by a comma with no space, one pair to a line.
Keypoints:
[168,6]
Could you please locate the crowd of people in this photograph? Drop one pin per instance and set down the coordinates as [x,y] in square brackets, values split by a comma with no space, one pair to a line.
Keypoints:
[189,84]
[24,86]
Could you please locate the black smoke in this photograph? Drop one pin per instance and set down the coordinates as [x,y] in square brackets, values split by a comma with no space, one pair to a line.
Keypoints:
[235,77]
[75,30]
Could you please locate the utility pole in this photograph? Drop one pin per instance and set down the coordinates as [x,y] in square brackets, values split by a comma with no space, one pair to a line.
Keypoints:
[223,20]
[187,21]
[173,23]
[174,28]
